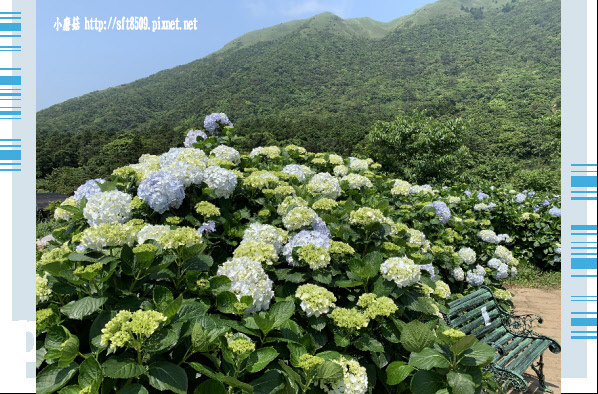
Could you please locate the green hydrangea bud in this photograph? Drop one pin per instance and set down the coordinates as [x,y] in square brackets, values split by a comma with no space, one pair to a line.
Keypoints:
[308,362]
[207,209]
[349,318]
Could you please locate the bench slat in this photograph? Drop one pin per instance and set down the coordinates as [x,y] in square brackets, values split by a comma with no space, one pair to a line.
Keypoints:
[469,301]
[476,312]
[528,356]
[496,334]
[512,353]
[468,297]
[482,332]
[479,321]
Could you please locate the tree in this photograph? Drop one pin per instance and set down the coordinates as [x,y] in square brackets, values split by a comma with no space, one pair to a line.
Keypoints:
[418,148]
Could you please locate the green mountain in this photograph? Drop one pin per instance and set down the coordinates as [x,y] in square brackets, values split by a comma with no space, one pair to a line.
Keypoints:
[322,82]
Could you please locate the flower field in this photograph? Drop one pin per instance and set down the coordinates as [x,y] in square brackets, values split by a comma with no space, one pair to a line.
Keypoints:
[210,271]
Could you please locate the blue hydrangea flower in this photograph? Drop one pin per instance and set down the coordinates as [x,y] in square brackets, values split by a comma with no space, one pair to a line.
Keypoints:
[208,227]
[519,198]
[467,193]
[442,211]
[214,122]
[89,188]
[161,191]
[303,238]
[191,137]
[429,268]
[531,194]
[555,212]
[545,202]
[482,195]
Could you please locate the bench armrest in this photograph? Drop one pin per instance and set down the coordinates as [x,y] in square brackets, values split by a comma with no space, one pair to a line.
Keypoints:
[521,325]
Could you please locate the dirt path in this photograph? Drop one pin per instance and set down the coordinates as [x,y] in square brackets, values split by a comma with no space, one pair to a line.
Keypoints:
[546,303]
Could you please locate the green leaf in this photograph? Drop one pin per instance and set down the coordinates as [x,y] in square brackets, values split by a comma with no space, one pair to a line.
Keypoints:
[166,376]
[233,382]
[160,340]
[463,344]
[461,383]
[55,337]
[264,321]
[372,263]
[281,312]
[201,262]
[206,371]
[225,302]
[210,387]
[480,355]
[396,372]
[90,374]
[81,257]
[329,370]
[162,297]
[133,388]
[123,366]
[171,309]
[296,351]
[368,344]
[260,359]
[293,376]
[426,382]
[84,307]
[72,389]
[69,350]
[415,336]
[53,377]
[268,383]
[218,284]
[428,359]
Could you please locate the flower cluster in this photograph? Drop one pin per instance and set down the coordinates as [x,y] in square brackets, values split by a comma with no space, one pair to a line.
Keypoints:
[249,278]
[314,256]
[442,211]
[295,170]
[303,238]
[215,122]
[191,137]
[401,270]
[258,251]
[271,152]
[221,181]
[358,164]
[88,189]
[128,326]
[106,235]
[185,173]
[355,379]
[180,237]
[315,300]
[325,185]
[357,181]
[161,191]
[299,217]
[108,207]
[476,276]
[265,233]
[400,188]
[468,255]
[226,153]
[366,216]
[42,290]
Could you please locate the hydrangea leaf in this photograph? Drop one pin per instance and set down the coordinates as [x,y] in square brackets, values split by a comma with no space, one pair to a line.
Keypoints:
[53,377]
[461,383]
[133,388]
[260,359]
[123,366]
[426,382]
[428,359]
[167,376]
[397,371]
[90,374]
[268,383]
[210,387]
[415,336]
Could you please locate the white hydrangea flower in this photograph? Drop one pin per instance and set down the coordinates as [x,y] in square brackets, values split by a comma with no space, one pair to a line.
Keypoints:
[458,274]
[503,254]
[265,233]
[299,217]
[340,170]
[355,379]
[222,181]
[504,238]
[324,184]
[42,291]
[295,169]
[476,277]
[489,236]
[193,156]
[494,263]
[248,279]
[61,214]
[226,153]
[268,151]
[315,300]
[151,231]
[400,188]
[357,181]
[468,255]
[335,160]
[108,207]
[303,238]
[401,270]
[454,200]
[416,237]
[186,173]
[356,164]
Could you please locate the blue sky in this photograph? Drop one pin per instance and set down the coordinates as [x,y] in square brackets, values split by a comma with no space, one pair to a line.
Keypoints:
[72,63]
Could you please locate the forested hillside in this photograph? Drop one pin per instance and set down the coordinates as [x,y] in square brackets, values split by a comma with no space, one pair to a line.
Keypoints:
[324,81]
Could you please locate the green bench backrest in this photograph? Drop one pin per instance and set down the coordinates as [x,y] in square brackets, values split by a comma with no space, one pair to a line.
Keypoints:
[465,314]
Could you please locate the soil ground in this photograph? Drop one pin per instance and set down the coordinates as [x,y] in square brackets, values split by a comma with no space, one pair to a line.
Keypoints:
[546,303]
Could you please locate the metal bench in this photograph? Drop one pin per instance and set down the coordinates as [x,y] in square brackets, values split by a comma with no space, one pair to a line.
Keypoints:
[514,338]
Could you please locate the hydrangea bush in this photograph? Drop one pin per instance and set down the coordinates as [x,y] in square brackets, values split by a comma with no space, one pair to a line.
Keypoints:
[207,270]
